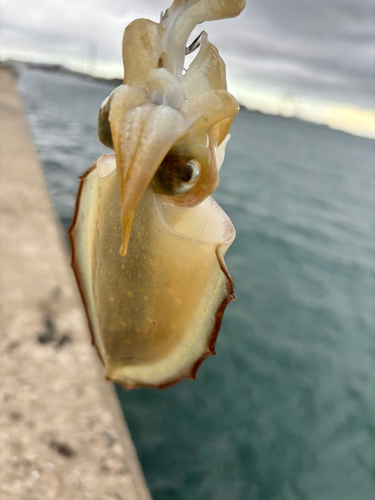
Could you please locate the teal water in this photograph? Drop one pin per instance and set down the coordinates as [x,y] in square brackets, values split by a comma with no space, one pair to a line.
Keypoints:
[286,409]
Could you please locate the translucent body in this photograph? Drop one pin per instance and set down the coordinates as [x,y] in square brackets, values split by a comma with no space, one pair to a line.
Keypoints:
[160,305]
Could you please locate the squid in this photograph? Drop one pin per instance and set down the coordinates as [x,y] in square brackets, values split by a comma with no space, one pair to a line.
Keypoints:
[148,240]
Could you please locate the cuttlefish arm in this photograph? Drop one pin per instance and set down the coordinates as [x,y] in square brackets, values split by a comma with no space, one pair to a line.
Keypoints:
[148,240]
[157,106]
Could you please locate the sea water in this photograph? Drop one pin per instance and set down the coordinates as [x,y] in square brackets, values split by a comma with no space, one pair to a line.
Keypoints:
[286,409]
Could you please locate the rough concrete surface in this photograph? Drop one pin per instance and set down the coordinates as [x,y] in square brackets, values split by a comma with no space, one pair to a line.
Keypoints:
[62,435]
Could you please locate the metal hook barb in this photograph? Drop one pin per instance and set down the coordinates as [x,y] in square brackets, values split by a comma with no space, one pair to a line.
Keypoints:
[194,45]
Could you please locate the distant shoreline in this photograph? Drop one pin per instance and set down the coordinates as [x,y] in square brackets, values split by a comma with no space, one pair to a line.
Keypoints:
[59,68]
[63,70]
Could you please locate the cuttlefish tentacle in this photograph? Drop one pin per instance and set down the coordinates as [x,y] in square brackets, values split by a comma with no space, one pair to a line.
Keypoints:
[155,306]
[180,20]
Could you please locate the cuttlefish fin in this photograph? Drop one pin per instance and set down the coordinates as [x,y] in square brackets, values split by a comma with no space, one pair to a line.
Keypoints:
[142,137]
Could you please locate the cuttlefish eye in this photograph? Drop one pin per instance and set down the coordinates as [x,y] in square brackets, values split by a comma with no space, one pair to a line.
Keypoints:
[176,175]
[104,129]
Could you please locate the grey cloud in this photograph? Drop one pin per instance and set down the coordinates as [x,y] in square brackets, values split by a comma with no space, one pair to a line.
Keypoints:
[323,48]
[326,48]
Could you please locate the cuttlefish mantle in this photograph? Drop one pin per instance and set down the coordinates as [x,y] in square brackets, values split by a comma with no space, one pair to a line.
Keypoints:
[148,240]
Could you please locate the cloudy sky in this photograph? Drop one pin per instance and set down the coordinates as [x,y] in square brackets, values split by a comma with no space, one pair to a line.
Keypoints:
[308,51]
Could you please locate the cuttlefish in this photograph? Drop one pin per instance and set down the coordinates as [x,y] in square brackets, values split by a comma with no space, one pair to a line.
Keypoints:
[148,240]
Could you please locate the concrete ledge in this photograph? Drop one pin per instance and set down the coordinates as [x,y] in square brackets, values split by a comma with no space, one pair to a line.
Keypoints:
[62,434]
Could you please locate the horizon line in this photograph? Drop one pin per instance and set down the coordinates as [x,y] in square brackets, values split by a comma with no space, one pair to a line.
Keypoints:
[343,117]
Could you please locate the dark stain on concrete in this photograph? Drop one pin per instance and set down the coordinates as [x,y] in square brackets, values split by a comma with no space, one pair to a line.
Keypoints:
[104,467]
[63,448]
[16,416]
[13,345]
[63,341]
[50,334]
[111,440]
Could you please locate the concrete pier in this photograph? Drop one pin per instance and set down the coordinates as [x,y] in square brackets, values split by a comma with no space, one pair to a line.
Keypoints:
[62,434]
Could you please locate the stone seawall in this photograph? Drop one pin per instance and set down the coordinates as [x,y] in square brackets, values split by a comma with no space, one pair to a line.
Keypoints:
[62,434]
